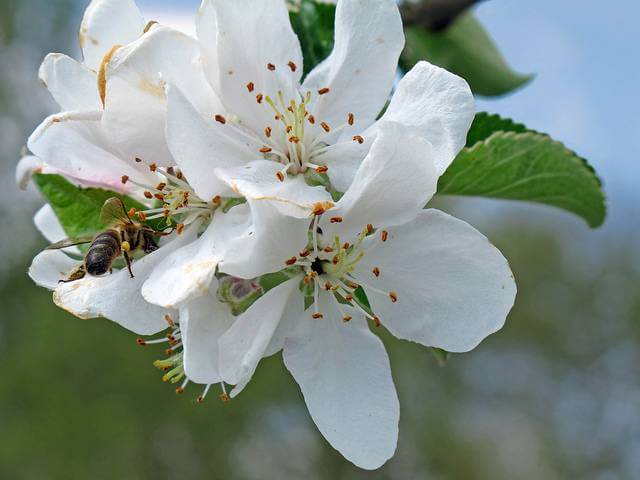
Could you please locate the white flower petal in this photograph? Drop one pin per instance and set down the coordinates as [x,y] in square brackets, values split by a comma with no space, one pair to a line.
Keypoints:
[362,67]
[267,244]
[199,145]
[289,324]
[252,34]
[107,23]
[207,33]
[393,184]
[244,344]
[343,160]
[258,181]
[27,167]
[72,85]
[51,266]
[136,105]
[117,296]
[49,226]
[202,322]
[454,288]
[344,374]
[75,144]
[436,105]
[189,271]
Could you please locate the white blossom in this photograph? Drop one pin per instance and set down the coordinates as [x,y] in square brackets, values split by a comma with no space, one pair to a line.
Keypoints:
[196,123]
[428,278]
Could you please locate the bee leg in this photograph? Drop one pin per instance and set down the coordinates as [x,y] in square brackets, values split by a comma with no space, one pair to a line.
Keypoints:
[76,274]
[127,259]
[149,244]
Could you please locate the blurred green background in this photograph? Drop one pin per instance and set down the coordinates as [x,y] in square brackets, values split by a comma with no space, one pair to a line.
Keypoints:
[554,395]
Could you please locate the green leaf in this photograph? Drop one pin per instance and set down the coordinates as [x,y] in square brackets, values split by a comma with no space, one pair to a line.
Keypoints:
[484,125]
[527,166]
[78,209]
[466,49]
[313,22]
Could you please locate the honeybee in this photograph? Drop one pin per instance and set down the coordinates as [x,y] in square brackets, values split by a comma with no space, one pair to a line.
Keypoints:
[123,237]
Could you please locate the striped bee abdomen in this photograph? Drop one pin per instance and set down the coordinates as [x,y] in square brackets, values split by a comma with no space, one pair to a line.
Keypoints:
[104,249]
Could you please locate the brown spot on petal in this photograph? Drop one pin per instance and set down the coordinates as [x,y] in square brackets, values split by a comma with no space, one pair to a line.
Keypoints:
[102,73]
[149,26]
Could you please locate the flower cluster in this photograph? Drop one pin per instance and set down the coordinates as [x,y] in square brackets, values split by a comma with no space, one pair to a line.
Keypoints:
[257,173]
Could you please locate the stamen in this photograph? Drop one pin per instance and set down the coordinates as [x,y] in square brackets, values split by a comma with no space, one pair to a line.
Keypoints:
[321,207]
[292,66]
[224,397]
[271,66]
[358,139]
[393,296]
[376,272]
[201,398]
[250,86]
[325,127]
[335,219]
[180,228]
[267,132]
[220,119]
[324,91]
[351,119]
[259,98]
[132,212]
[124,179]
[180,389]
[384,235]
[266,150]
[291,261]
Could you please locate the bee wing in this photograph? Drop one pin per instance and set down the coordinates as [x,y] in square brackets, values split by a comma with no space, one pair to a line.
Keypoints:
[69,242]
[113,211]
